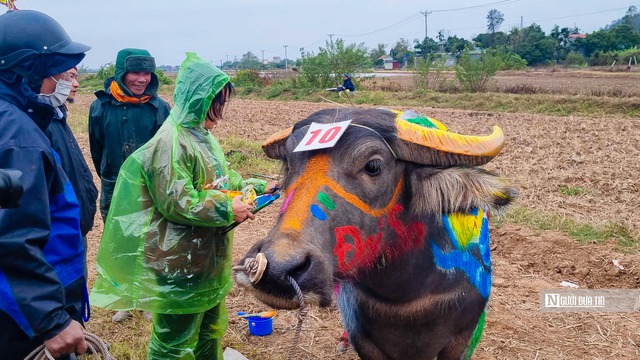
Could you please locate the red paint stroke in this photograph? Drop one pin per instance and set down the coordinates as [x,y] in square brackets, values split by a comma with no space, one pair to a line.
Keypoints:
[364,250]
[410,236]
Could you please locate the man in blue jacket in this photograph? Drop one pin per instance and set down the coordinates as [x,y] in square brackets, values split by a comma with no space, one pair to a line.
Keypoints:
[41,251]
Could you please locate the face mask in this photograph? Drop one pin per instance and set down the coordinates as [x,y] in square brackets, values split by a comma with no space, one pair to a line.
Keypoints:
[60,95]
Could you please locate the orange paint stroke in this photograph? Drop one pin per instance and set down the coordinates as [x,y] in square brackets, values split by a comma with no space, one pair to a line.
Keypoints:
[312,179]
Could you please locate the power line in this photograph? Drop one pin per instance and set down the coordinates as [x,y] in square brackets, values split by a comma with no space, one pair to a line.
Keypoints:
[402,22]
[477,6]
[585,14]
[550,19]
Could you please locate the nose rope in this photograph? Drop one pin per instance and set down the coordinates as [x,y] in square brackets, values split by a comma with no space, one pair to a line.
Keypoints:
[304,310]
[254,268]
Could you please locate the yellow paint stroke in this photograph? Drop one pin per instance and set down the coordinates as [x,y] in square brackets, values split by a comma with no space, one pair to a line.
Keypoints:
[466,227]
[449,142]
[307,187]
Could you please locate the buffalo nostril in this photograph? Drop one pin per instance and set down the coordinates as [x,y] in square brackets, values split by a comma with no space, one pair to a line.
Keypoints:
[300,269]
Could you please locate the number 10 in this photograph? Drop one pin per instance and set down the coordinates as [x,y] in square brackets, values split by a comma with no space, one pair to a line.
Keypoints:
[328,135]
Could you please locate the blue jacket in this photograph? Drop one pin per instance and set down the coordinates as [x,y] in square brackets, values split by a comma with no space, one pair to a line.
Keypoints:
[348,85]
[75,167]
[41,248]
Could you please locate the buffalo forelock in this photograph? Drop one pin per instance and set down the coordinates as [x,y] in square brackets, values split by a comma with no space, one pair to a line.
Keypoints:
[458,190]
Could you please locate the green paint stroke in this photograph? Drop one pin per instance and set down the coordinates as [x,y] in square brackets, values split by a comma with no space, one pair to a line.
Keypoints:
[326,201]
[477,334]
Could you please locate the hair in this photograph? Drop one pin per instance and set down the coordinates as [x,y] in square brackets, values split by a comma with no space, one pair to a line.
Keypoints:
[219,101]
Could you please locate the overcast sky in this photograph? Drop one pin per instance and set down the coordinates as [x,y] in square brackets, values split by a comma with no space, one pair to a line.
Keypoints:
[217,29]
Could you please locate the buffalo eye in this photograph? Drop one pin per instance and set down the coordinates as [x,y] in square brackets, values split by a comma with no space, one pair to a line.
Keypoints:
[373,167]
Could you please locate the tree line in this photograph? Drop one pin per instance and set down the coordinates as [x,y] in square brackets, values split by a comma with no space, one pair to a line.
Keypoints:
[563,45]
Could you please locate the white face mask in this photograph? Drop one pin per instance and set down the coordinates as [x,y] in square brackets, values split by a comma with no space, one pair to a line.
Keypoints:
[61,93]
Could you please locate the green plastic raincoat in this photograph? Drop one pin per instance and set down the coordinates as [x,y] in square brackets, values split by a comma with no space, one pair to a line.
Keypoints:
[161,249]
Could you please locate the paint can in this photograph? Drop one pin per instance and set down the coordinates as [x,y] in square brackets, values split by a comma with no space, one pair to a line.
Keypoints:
[258,326]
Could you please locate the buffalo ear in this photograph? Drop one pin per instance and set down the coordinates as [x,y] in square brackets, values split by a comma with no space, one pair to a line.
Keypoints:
[275,146]
[458,189]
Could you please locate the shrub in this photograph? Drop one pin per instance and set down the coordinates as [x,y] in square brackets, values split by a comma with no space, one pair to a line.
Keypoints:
[431,74]
[475,73]
[163,79]
[575,59]
[249,78]
[607,58]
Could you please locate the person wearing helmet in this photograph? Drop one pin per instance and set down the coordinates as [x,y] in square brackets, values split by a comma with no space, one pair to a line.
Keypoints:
[182,259]
[125,115]
[42,280]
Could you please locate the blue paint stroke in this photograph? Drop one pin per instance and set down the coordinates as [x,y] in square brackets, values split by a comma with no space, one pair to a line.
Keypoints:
[318,213]
[478,270]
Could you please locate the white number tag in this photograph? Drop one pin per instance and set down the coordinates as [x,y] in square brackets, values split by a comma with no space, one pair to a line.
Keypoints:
[320,136]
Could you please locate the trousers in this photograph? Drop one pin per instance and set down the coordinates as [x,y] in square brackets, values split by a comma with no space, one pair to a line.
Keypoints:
[189,336]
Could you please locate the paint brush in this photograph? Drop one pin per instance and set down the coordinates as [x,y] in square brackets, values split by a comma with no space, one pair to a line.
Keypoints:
[264,314]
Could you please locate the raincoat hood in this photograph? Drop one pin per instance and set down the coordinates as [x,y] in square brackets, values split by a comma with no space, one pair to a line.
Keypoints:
[130,60]
[197,84]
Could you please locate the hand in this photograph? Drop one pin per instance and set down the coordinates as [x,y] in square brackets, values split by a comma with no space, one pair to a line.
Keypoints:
[69,341]
[241,211]
[271,187]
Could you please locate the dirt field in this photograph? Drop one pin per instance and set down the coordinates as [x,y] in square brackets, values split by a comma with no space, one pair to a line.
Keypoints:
[553,80]
[543,156]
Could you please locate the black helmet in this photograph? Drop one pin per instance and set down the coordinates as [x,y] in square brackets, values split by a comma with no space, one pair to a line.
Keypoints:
[26,34]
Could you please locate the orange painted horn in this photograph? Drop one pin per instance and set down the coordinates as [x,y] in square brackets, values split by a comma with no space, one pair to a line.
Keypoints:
[274,146]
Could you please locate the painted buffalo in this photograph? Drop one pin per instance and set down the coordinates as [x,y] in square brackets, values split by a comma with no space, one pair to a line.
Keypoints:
[396,215]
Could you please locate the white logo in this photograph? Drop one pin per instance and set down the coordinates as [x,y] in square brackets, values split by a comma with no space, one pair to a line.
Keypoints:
[573,301]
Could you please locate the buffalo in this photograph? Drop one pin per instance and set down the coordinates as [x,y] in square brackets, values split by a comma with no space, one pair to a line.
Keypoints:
[395,216]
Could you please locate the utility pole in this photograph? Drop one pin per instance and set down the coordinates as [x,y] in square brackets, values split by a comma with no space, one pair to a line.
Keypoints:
[227,58]
[286,64]
[426,14]
[262,57]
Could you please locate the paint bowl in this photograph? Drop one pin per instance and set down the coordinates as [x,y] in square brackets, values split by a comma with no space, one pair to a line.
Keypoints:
[258,326]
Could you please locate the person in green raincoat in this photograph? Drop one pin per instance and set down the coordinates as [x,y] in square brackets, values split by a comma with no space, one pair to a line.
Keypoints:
[162,250]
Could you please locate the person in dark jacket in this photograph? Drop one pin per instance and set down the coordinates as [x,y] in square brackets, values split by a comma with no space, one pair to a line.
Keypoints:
[42,279]
[347,84]
[65,145]
[125,115]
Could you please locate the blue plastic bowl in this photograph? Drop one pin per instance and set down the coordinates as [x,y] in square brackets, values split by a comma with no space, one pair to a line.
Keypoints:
[259,326]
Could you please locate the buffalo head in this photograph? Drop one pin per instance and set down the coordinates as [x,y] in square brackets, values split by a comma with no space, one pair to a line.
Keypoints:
[375,214]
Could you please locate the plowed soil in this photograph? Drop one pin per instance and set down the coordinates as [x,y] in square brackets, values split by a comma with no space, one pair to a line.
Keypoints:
[543,155]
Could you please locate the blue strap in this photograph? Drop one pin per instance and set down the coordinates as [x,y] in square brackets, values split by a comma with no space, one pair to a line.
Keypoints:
[86,308]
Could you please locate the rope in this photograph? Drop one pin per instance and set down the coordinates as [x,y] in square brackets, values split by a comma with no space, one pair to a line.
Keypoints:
[95,346]
[304,310]
[250,266]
